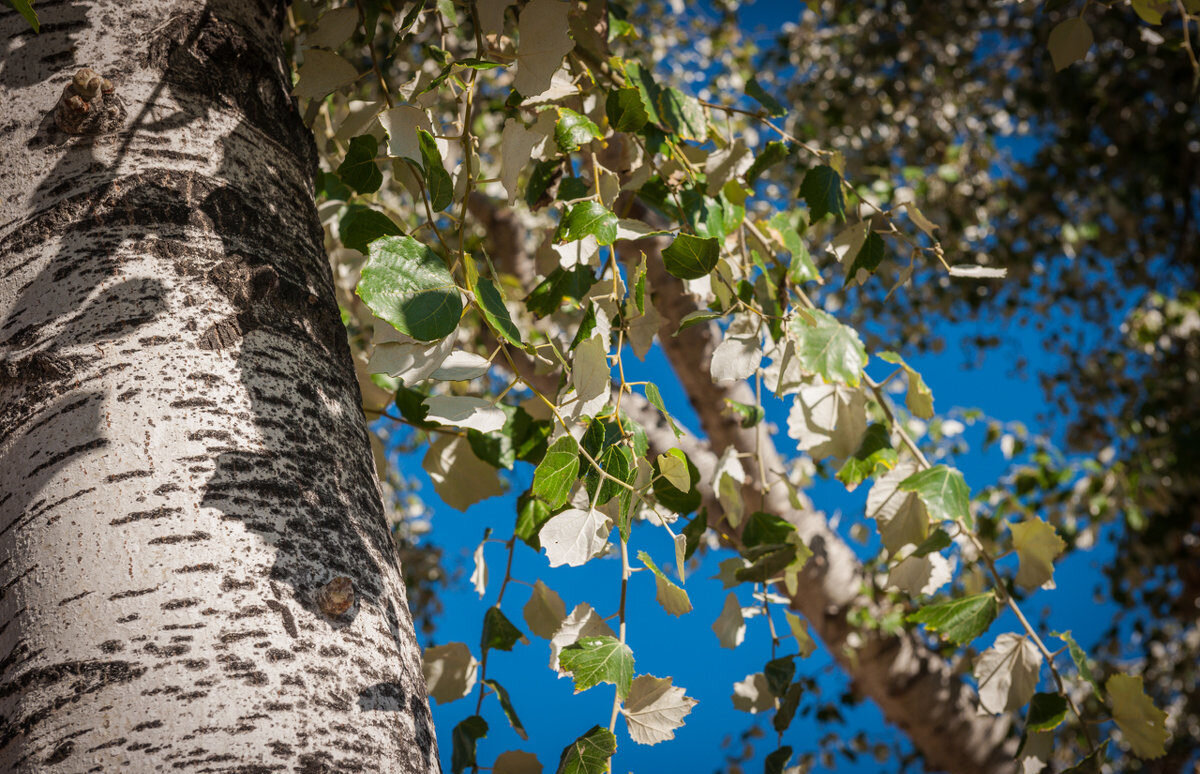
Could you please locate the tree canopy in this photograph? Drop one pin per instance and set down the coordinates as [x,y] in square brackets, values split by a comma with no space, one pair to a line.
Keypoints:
[522,198]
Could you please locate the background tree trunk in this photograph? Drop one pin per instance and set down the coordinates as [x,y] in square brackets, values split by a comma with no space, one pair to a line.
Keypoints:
[184,463]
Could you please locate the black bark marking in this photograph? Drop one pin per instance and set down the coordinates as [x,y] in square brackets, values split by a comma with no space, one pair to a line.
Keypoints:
[151,515]
[191,537]
[132,593]
[289,622]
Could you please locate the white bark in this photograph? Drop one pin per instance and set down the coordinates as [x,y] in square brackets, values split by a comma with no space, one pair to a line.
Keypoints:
[184,462]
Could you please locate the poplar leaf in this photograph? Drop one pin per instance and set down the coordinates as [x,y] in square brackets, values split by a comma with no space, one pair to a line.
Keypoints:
[727,483]
[654,709]
[919,399]
[333,28]
[921,575]
[360,226]
[829,349]
[691,257]
[490,300]
[598,659]
[462,741]
[958,620]
[582,622]
[1007,673]
[866,260]
[516,762]
[738,355]
[753,694]
[1046,712]
[944,493]
[542,44]
[402,124]
[875,453]
[1142,724]
[574,536]
[359,170]
[590,218]
[545,611]
[450,462]
[1069,42]
[828,420]
[322,72]
[673,599]
[557,472]
[1037,545]
[682,114]
[674,468]
[460,366]
[499,632]
[507,707]
[516,148]
[1081,660]
[450,671]
[730,626]
[590,373]
[465,412]
[822,192]
[437,179]
[799,628]
[625,111]
[900,516]
[755,91]
[479,575]
[406,284]
[589,754]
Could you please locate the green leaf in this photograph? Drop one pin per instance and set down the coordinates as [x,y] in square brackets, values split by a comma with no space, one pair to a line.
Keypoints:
[668,495]
[655,398]
[765,529]
[944,493]
[330,186]
[870,255]
[1081,660]
[822,192]
[766,562]
[643,81]
[558,471]
[1046,711]
[24,8]
[670,597]
[506,705]
[919,399]
[875,454]
[532,513]
[693,532]
[682,114]
[359,170]
[617,462]
[545,299]
[406,284]
[773,153]
[599,659]
[437,179]
[690,257]
[826,347]
[779,673]
[462,741]
[787,708]
[589,754]
[750,415]
[695,318]
[801,268]
[496,447]
[491,302]
[958,620]
[625,110]
[499,632]
[590,218]
[412,407]
[573,130]
[938,540]
[777,761]
[755,91]
[543,183]
[360,226]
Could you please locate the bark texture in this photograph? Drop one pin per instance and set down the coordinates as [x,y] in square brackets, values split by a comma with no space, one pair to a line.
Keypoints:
[184,464]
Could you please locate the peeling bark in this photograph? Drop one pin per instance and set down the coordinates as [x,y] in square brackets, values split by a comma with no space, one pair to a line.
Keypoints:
[184,464]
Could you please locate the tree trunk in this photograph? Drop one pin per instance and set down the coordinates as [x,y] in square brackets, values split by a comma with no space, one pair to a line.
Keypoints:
[184,463]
